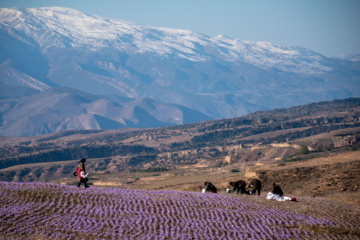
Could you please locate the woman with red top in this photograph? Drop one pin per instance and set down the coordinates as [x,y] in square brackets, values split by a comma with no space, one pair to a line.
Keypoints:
[81,168]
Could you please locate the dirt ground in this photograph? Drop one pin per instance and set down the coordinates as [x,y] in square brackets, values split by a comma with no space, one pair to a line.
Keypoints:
[336,177]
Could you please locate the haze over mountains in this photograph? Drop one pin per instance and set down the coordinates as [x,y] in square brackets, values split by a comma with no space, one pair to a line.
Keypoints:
[62,69]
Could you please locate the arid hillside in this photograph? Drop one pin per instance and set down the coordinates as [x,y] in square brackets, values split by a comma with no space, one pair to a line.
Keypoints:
[309,150]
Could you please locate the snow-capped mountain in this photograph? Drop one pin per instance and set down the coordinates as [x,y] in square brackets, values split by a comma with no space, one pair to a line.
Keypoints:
[63,27]
[221,77]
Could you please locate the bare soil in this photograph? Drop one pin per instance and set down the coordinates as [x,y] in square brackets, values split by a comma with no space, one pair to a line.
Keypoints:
[336,177]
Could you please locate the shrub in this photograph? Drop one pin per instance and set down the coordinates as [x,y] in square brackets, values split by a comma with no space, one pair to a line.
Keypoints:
[303,150]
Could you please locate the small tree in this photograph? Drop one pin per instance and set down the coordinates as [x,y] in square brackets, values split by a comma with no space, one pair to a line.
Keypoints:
[303,150]
[329,147]
[320,148]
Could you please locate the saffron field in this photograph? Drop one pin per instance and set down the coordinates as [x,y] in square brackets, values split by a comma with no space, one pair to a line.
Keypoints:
[54,211]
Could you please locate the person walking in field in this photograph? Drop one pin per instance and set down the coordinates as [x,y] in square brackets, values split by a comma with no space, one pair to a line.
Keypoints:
[82,173]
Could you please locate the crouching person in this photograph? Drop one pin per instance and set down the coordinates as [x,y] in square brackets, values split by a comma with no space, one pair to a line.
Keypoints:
[239,187]
[209,187]
[277,190]
[255,185]
[277,194]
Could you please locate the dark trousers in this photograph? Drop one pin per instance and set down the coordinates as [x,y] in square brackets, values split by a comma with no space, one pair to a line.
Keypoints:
[82,180]
[254,191]
[242,190]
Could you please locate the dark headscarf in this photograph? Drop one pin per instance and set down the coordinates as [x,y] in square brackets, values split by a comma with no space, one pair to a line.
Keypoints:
[82,160]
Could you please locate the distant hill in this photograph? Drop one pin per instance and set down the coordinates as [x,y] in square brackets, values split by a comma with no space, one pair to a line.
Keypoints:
[60,109]
[261,137]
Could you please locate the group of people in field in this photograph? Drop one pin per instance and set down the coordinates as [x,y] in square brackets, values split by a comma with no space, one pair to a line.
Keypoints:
[241,187]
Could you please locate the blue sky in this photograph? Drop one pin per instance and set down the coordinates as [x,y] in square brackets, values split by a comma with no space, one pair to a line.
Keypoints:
[330,27]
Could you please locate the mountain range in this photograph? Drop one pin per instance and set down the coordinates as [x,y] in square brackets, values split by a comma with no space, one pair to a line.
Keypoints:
[62,69]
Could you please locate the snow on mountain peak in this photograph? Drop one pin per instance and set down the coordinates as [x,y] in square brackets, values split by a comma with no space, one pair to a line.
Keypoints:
[9,16]
[351,57]
[274,48]
[94,33]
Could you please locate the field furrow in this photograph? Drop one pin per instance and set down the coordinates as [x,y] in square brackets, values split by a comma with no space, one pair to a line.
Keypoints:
[40,210]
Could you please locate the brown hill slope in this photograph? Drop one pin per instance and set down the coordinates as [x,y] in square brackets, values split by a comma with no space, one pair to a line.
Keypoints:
[182,157]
